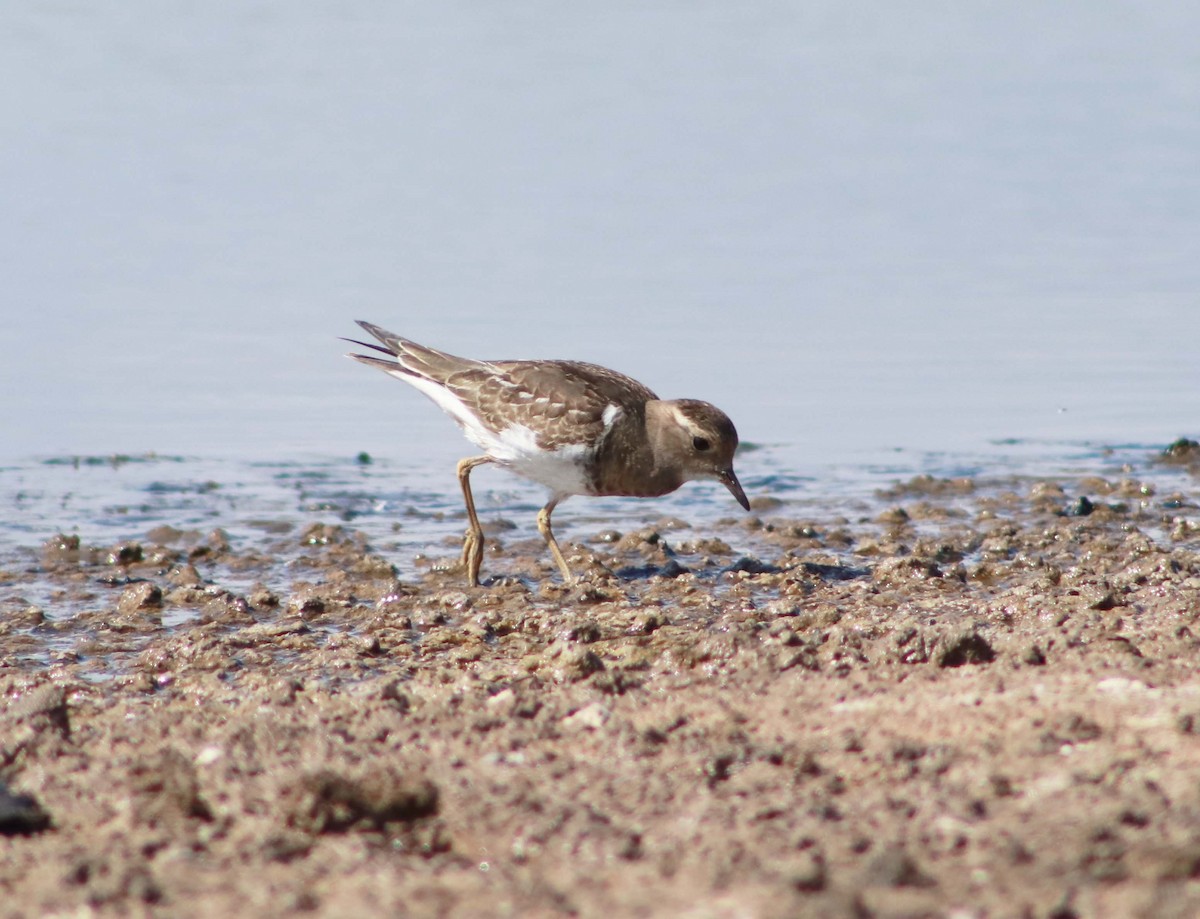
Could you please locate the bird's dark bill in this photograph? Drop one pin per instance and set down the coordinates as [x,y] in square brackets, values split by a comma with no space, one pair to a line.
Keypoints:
[729,480]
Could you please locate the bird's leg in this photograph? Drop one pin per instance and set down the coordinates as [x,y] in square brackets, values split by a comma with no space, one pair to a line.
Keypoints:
[472,553]
[543,522]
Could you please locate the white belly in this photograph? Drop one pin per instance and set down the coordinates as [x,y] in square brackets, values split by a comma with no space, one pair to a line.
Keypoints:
[563,471]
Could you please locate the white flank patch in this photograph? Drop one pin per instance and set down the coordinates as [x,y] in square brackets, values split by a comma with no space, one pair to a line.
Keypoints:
[610,416]
[561,470]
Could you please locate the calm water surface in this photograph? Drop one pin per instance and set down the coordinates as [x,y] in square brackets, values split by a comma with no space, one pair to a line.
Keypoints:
[886,240]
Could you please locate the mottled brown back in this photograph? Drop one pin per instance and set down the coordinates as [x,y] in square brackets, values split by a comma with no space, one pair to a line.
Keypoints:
[563,401]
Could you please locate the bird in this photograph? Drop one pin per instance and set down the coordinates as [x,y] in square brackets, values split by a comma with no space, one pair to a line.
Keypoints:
[576,428]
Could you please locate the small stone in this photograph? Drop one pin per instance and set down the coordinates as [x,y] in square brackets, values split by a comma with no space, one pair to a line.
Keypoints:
[1183,452]
[138,682]
[393,693]
[331,802]
[20,815]
[125,554]
[306,603]
[184,575]
[591,717]
[894,867]
[1081,507]
[262,598]
[895,516]
[810,874]
[750,565]
[577,664]
[672,569]
[141,596]
[285,690]
[971,648]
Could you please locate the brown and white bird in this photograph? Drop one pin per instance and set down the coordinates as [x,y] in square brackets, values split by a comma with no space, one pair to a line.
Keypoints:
[576,428]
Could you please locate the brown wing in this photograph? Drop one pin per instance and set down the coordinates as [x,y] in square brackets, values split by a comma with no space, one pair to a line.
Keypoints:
[564,401]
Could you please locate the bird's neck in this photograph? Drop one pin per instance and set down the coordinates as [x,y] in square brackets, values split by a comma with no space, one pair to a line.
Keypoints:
[646,468]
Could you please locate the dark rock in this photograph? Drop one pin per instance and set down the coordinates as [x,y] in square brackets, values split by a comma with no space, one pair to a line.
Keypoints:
[1183,452]
[672,569]
[1034,656]
[330,802]
[971,648]
[834,572]
[20,815]
[750,565]
[1080,507]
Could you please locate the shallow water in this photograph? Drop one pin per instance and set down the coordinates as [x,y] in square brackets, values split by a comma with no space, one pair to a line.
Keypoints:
[853,227]
[118,497]
[409,514]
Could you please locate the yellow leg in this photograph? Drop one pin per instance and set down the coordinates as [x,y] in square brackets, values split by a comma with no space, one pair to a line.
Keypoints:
[472,553]
[543,522]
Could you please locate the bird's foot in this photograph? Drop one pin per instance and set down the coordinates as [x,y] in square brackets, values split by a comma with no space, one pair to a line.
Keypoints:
[472,556]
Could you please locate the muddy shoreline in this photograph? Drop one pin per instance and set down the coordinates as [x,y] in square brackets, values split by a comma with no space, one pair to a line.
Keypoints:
[983,700]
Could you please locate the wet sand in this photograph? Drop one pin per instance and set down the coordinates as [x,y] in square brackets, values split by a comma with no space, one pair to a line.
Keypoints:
[982,700]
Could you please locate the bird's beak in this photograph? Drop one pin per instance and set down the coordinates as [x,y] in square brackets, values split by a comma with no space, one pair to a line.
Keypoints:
[729,480]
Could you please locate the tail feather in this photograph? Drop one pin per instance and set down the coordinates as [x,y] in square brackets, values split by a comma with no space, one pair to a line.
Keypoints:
[386,366]
[391,367]
[411,358]
[364,344]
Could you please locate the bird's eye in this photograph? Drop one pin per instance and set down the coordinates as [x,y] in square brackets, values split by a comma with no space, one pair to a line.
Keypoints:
[701,443]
